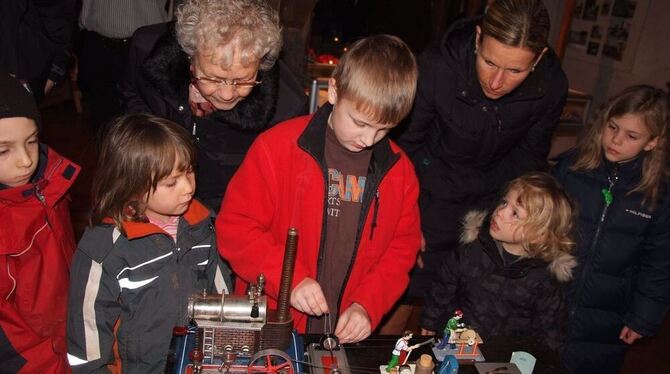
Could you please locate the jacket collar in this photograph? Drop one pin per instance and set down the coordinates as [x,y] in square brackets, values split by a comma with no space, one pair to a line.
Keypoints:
[167,69]
[53,178]
[475,229]
[195,214]
[458,49]
[313,140]
[627,173]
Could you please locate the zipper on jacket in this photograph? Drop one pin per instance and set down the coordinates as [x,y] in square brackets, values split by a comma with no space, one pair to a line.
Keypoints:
[612,179]
[40,197]
[361,224]
[374,215]
[194,131]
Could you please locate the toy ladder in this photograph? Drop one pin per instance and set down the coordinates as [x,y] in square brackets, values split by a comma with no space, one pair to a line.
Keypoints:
[208,343]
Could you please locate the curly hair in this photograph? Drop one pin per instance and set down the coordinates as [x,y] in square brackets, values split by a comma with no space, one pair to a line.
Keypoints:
[653,106]
[249,29]
[547,231]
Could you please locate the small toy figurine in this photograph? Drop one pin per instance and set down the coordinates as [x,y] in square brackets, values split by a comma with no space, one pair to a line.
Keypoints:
[401,350]
[453,325]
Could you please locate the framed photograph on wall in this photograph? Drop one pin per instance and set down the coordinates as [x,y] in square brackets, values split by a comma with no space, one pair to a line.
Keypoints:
[607,29]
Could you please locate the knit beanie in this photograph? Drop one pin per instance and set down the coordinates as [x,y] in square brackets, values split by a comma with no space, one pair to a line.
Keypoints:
[16,100]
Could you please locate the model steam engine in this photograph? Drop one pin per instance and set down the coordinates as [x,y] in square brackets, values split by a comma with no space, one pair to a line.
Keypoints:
[238,333]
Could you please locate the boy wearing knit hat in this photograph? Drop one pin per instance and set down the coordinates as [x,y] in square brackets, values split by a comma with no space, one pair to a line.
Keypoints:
[36,238]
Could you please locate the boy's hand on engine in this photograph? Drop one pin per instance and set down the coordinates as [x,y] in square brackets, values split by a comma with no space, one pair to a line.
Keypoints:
[353,325]
[308,298]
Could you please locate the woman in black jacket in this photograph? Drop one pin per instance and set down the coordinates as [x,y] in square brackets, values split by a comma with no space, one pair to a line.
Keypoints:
[619,177]
[215,73]
[489,97]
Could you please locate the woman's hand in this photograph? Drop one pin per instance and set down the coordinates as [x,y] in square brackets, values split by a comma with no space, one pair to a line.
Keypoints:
[628,335]
[308,298]
[353,325]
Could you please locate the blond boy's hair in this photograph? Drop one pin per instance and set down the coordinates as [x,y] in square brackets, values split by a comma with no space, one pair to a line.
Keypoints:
[547,230]
[379,75]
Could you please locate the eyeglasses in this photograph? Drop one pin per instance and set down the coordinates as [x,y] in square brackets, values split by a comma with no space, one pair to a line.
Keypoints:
[213,84]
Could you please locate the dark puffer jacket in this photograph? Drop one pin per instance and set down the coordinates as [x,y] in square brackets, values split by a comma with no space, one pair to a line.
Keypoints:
[465,147]
[623,277]
[523,298]
[157,82]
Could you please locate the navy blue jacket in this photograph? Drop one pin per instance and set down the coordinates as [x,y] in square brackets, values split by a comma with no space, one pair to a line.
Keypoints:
[623,276]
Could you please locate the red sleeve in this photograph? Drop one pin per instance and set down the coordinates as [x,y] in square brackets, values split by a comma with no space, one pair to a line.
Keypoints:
[244,224]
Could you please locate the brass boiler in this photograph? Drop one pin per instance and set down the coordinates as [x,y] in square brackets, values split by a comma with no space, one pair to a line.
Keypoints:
[228,308]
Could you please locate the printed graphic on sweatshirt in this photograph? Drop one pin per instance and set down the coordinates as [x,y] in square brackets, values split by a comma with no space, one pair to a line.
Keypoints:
[343,189]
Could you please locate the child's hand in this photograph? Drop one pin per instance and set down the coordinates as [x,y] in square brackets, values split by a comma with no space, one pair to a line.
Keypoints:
[354,324]
[628,335]
[308,298]
[427,332]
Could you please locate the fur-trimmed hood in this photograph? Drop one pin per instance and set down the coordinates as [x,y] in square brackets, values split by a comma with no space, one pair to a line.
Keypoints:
[167,69]
[561,265]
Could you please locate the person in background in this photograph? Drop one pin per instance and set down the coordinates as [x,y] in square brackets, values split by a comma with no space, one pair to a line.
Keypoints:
[618,174]
[489,96]
[106,28]
[216,73]
[36,239]
[36,41]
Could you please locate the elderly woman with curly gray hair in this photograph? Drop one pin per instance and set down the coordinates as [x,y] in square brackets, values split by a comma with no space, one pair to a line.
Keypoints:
[217,72]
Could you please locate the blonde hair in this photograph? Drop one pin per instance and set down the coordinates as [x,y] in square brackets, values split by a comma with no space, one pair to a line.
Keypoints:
[651,105]
[518,23]
[137,152]
[249,28]
[547,230]
[379,75]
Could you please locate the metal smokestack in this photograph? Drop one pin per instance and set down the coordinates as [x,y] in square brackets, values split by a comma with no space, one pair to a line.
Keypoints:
[287,276]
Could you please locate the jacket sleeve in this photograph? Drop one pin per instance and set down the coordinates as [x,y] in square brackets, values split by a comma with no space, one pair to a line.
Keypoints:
[58,18]
[21,348]
[415,131]
[218,272]
[651,295]
[391,272]
[131,100]
[93,310]
[550,317]
[243,226]
[441,299]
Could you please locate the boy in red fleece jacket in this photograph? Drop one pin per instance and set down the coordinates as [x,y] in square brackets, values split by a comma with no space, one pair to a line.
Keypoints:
[349,190]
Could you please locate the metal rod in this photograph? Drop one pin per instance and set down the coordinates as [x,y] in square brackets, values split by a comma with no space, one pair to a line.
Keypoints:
[287,275]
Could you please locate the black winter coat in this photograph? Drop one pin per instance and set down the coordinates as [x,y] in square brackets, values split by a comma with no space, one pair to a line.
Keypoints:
[465,147]
[157,80]
[523,298]
[623,277]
